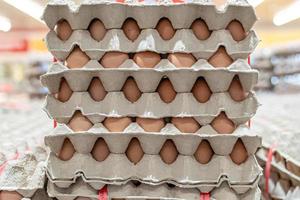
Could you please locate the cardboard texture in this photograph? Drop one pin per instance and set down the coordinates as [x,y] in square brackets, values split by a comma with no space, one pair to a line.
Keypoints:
[150,105]
[147,80]
[180,15]
[143,192]
[150,40]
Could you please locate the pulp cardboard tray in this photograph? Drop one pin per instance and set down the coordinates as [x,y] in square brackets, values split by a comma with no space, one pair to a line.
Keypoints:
[150,40]
[180,15]
[148,80]
[151,143]
[144,192]
[151,105]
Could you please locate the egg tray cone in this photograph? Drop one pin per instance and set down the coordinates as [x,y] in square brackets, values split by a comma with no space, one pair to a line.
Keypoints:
[183,105]
[149,40]
[143,192]
[148,80]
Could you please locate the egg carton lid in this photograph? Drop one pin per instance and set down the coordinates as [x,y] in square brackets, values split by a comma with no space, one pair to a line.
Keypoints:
[148,80]
[149,40]
[25,176]
[151,143]
[184,172]
[150,105]
[144,191]
[181,15]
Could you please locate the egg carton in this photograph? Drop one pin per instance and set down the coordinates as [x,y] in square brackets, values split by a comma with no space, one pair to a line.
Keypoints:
[25,176]
[148,80]
[180,15]
[131,191]
[151,105]
[150,40]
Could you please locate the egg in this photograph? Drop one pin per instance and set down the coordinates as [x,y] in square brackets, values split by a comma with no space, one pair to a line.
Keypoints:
[113,59]
[201,90]
[236,30]
[293,168]
[182,60]
[166,90]
[63,30]
[220,59]
[186,124]
[131,29]
[200,29]
[79,122]
[10,195]
[222,124]
[96,90]
[67,151]
[165,29]
[219,3]
[239,153]
[97,30]
[134,151]
[100,150]
[77,59]
[236,90]
[117,124]
[146,59]
[65,92]
[131,90]
[168,152]
[204,152]
[150,125]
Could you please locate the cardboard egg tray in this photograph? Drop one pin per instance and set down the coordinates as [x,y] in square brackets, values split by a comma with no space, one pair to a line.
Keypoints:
[131,191]
[150,40]
[183,105]
[181,15]
[148,80]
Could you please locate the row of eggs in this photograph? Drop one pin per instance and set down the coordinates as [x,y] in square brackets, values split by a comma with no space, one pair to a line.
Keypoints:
[165,89]
[147,59]
[164,27]
[168,152]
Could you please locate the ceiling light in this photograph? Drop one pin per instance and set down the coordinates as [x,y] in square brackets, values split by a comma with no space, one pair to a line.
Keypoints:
[28,7]
[255,3]
[5,24]
[288,14]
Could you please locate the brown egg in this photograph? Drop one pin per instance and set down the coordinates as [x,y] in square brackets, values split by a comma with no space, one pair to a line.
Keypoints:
[8,195]
[293,168]
[237,30]
[79,122]
[166,90]
[222,124]
[63,30]
[146,59]
[97,90]
[168,152]
[67,151]
[113,59]
[201,90]
[220,59]
[151,125]
[100,150]
[165,29]
[182,60]
[200,29]
[131,90]
[77,59]
[236,90]
[186,124]
[204,152]
[97,30]
[116,124]
[65,92]
[134,151]
[131,29]
[239,153]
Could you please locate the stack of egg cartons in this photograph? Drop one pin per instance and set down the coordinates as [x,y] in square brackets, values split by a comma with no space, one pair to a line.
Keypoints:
[152,100]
